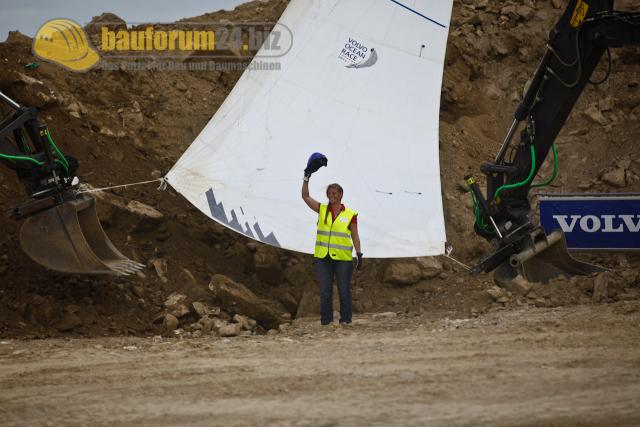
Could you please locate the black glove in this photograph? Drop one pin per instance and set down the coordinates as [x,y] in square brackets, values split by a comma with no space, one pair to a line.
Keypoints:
[358,260]
[315,162]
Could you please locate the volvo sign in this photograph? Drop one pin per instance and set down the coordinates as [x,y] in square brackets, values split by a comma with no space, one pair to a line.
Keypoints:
[593,221]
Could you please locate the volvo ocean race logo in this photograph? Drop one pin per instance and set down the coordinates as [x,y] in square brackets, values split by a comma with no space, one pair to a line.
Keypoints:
[356,55]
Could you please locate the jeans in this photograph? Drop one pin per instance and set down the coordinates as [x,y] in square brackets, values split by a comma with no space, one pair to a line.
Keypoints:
[326,269]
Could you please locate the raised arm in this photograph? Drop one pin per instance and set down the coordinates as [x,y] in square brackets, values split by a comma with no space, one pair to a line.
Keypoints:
[310,201]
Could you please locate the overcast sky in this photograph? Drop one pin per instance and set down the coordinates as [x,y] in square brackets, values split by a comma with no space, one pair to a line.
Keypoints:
[28,15]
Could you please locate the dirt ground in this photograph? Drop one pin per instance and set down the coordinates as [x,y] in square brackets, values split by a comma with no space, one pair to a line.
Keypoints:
[574,366]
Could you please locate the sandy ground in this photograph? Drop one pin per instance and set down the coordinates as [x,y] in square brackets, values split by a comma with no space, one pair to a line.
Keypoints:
[575,366]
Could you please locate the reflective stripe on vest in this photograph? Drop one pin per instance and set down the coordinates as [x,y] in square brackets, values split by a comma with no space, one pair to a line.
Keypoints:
[334,238]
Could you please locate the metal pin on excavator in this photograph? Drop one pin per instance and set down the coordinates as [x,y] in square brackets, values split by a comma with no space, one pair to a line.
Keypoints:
[585,31]
[60,228]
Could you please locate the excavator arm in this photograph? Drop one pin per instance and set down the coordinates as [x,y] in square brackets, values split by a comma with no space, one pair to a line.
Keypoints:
[60,228]
[585,31]
[43,170]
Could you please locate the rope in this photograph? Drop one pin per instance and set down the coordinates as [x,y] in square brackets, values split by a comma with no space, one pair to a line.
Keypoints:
[161,187]
[447,254]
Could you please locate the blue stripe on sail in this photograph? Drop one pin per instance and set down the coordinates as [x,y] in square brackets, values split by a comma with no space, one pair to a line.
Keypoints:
[418,13]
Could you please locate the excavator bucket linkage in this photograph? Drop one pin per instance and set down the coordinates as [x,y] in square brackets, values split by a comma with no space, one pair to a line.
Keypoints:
[536,256]
[69,238]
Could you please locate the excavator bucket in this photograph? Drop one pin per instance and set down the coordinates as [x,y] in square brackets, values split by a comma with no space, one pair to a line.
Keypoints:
[547,257]
[69,238]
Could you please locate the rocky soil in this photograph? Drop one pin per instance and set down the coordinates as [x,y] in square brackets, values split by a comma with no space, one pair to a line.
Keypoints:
[204,280]
[219,330]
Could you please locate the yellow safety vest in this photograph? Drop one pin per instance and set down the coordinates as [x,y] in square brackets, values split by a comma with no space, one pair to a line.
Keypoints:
[332,237]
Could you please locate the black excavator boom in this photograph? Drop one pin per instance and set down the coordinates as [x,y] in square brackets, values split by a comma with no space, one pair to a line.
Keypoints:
[585,31]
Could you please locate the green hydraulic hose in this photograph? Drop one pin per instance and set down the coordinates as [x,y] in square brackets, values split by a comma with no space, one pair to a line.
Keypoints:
[521,183]
[25,147]
[28,159]
[62,161]
[55,148]
[66,168]
[476,205]
[555,170]
[478,216]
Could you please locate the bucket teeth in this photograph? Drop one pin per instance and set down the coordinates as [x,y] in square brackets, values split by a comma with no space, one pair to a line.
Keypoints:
[138,266]
[127,267]
[69,238]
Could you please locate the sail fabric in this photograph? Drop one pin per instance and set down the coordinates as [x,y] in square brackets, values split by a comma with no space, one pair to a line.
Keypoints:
[361,84]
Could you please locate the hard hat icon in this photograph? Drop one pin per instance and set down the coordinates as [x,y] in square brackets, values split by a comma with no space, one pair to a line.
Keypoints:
[64,42]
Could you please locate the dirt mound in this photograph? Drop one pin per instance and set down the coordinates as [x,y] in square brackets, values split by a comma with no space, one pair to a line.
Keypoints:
[130,126]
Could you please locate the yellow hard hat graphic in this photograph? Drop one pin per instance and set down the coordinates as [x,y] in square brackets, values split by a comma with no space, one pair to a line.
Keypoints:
[64,42]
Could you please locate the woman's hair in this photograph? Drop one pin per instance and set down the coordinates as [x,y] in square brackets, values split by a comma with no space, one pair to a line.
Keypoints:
[334,186]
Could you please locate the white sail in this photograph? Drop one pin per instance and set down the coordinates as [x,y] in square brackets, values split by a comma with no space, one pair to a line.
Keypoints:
[361,84]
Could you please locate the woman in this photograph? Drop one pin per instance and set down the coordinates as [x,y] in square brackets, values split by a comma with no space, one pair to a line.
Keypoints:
[336,237]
